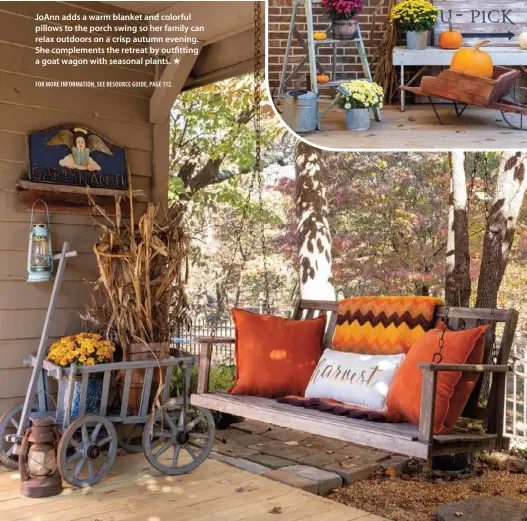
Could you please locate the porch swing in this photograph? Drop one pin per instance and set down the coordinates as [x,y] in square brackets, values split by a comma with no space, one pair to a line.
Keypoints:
[403,438]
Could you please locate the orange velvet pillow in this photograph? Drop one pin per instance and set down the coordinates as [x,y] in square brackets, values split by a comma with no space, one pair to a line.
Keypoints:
[453,387]
[274,356]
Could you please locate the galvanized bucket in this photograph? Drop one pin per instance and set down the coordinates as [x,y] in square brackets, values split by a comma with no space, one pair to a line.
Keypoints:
[300,111]
[416,41]
[358,119]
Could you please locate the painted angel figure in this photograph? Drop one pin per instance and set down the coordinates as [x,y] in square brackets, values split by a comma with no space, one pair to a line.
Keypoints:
[80,144]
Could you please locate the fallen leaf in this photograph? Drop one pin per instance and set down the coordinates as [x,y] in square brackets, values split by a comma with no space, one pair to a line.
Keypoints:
[245,489]
[291,443]
[330,452]
[275,510]
[459,514]
[411,118]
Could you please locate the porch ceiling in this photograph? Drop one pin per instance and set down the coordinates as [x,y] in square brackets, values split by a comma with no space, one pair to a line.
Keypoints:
[226,50]
[227,39]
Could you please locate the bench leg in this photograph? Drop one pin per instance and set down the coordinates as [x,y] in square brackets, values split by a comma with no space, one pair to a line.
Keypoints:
[403,92]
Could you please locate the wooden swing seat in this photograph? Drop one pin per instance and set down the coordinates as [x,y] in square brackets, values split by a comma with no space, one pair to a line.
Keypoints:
[402,438]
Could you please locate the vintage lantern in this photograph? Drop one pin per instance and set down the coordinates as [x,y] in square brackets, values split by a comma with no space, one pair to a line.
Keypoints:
[40,256]
[37,461]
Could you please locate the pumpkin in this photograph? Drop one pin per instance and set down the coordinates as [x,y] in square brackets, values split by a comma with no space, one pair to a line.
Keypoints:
[474,61]
[450,39]
[320,36]
[323,78]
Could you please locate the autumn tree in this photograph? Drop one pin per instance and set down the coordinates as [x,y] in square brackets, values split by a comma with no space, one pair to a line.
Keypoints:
[314,237]
[457,256]
[504,209]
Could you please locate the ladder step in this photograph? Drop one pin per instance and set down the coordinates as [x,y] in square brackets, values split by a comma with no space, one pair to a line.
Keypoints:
[333,41]
[334,83]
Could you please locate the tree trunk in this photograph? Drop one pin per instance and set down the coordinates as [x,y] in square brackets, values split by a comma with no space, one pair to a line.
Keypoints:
[505,206]
[457,265]
[314,237]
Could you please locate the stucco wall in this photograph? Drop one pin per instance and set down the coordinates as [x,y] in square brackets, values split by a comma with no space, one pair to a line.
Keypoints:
[122,115]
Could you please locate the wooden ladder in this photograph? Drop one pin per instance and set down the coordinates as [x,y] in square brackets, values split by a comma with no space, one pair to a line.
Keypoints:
[314,64]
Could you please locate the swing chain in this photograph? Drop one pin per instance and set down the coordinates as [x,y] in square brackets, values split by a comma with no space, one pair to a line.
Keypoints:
[486,180]
[438,357]
[470,191]
[258,141]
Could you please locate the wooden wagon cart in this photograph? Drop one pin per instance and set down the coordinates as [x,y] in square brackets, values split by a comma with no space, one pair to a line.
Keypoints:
[88,443]
[404,438]
[501,92]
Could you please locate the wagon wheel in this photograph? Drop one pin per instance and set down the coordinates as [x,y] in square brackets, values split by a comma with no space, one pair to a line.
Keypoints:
[184,438]
[9,425]
[87,450]
[517,96]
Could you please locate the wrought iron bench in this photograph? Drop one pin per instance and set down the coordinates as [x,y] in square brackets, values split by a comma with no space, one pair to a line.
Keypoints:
[404,438]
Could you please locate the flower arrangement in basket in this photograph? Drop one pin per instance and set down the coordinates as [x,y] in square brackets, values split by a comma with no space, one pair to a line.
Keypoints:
[416,17]
[343,14]
[361,95]
[85,349]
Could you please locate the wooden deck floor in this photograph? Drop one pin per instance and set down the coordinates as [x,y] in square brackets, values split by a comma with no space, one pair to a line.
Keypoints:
[417,128]
[135,492]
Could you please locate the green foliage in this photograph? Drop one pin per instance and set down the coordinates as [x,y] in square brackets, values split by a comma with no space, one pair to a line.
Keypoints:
[221,379]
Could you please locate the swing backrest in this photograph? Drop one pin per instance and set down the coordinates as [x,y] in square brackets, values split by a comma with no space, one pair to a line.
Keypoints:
[503,323]
[308,309]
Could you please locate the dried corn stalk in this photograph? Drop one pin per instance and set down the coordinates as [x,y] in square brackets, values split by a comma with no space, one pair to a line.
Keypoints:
[140,296]
[384,72]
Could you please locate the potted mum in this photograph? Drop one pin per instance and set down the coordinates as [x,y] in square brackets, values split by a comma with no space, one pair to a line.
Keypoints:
[83,349]
[343,14]
[361,95]
[417,18]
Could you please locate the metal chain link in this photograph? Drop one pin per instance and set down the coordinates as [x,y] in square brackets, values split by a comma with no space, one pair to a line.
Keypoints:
[258,78]
[438,356]
[486,180]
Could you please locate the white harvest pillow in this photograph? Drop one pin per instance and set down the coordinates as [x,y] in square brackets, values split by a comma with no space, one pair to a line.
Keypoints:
[353,378]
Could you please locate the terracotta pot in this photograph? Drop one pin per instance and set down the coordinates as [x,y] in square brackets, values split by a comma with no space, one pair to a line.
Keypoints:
[136,352]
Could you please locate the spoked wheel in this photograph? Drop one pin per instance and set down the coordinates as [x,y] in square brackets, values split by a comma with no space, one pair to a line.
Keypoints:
[176,441]
[518,98]
[87,450]
[9,423]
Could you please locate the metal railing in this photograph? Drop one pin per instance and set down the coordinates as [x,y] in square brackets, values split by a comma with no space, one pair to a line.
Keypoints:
[516,397]
[187,340]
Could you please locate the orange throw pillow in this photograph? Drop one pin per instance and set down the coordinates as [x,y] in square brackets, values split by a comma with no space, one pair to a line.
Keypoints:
[275,357]
[453,387]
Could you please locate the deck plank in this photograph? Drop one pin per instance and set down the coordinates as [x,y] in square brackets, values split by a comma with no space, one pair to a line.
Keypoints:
[136,492]
[417,128]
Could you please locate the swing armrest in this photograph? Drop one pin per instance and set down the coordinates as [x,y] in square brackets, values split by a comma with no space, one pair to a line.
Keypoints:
[205,357]
[466,368]
[215,340]
[429,388]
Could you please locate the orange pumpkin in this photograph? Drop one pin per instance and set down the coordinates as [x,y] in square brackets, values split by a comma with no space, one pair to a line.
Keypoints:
[474,61]
[450,39]
[323,78]
[320,36]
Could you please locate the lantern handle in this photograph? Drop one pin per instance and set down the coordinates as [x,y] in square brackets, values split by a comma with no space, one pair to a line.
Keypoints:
[47,213]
